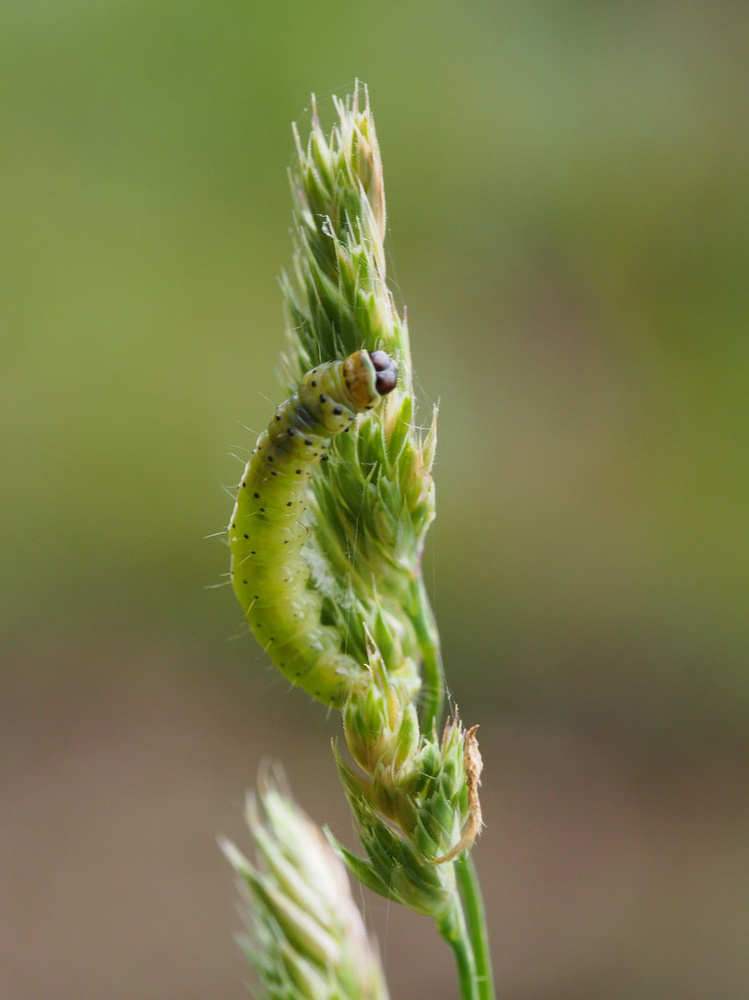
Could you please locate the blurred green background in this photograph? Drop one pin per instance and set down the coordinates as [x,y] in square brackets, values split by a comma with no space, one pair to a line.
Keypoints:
[569,213]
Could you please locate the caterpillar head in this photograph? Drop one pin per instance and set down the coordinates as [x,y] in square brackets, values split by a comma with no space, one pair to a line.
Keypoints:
[368,376]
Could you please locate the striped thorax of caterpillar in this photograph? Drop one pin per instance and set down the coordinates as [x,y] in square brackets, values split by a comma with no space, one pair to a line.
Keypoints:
[266,534]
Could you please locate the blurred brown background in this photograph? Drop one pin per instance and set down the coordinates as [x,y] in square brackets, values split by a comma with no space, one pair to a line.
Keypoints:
[567,188]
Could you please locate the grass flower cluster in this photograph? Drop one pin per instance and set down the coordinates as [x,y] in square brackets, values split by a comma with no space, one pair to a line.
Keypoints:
[373,505]
[412,781]
[305,937]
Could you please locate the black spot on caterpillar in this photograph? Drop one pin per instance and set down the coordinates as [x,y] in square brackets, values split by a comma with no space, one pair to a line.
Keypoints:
[269,574]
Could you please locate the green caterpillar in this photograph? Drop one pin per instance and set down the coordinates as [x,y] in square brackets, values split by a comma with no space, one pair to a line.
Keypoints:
[269,573]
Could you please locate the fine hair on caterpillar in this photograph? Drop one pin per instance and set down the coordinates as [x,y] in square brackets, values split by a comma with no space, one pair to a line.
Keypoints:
[269,573]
